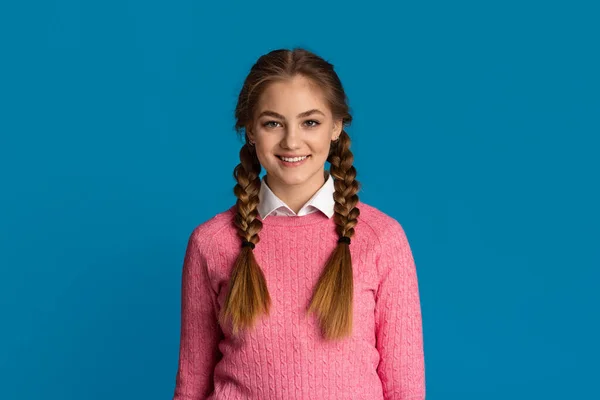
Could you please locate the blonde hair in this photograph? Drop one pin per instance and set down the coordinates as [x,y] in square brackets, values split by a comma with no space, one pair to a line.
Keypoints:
[248,296]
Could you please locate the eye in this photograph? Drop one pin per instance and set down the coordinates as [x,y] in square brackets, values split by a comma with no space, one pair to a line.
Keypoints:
[266,124]
[316,123]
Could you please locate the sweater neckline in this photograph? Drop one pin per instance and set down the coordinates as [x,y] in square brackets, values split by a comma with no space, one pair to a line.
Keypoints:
[294,220]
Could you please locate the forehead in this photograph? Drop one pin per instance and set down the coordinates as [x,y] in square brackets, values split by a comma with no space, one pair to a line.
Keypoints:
[291,97]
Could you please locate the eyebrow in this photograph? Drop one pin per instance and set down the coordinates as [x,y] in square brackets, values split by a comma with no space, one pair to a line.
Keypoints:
[301,115]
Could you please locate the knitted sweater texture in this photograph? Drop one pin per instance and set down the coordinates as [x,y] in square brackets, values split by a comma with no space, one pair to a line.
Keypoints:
[284,355]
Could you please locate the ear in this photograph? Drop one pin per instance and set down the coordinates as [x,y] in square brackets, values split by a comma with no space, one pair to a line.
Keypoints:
[338,125]
[250,134]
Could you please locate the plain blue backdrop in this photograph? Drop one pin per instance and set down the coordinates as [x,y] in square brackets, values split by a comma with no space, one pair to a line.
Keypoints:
[475,125]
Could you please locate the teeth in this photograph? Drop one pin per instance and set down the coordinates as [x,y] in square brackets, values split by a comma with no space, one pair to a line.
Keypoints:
[295,159]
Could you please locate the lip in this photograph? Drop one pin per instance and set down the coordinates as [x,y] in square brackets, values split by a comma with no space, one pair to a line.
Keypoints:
[292,155]
[293,164]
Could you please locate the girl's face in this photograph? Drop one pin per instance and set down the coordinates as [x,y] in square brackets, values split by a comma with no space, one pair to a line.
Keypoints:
[292,120]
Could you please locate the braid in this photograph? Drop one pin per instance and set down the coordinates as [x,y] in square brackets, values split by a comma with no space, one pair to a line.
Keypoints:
[332,299]
[346,186]
[248,295]
[246,190]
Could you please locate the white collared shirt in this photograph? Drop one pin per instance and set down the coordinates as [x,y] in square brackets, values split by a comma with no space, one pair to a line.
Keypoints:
[322,201]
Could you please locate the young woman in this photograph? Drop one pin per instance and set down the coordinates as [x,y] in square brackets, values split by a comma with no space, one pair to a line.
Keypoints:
[299,290]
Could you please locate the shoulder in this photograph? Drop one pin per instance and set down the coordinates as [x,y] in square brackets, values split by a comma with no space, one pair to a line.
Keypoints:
[213,228]
[380,224]
[391,246]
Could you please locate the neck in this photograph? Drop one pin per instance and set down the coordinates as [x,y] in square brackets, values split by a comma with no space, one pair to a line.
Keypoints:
[295,196]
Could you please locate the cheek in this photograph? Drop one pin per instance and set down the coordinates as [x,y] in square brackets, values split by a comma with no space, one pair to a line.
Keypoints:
[264,155]
[324,146]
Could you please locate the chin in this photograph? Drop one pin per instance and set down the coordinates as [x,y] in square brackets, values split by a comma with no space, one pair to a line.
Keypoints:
[293,179]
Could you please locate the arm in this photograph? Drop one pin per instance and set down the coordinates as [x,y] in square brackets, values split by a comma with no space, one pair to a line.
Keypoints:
[398,320]
[200,332]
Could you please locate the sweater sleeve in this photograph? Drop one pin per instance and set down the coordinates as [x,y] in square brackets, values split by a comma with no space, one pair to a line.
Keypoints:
[200,331]
[398,321]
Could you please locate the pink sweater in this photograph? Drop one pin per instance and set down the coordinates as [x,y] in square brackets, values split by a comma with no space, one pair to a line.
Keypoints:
[284,356]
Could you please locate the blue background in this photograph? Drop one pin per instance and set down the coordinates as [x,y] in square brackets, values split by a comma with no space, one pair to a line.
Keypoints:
[476,127]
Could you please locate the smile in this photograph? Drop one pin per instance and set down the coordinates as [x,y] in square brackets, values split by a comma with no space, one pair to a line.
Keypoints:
[293,162]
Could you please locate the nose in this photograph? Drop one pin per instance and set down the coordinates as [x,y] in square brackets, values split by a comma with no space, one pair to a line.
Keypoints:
[292,138]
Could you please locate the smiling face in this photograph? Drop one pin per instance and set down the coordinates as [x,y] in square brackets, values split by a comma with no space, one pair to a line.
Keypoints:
[292,119]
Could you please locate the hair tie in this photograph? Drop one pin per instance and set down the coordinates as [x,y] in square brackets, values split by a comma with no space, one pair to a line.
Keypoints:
[246,243]
[344,239]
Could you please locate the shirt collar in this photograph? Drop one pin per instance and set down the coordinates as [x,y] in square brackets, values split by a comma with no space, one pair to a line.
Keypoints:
[322,200]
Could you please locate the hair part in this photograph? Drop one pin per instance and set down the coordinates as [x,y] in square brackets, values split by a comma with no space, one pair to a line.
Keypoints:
[248,296]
